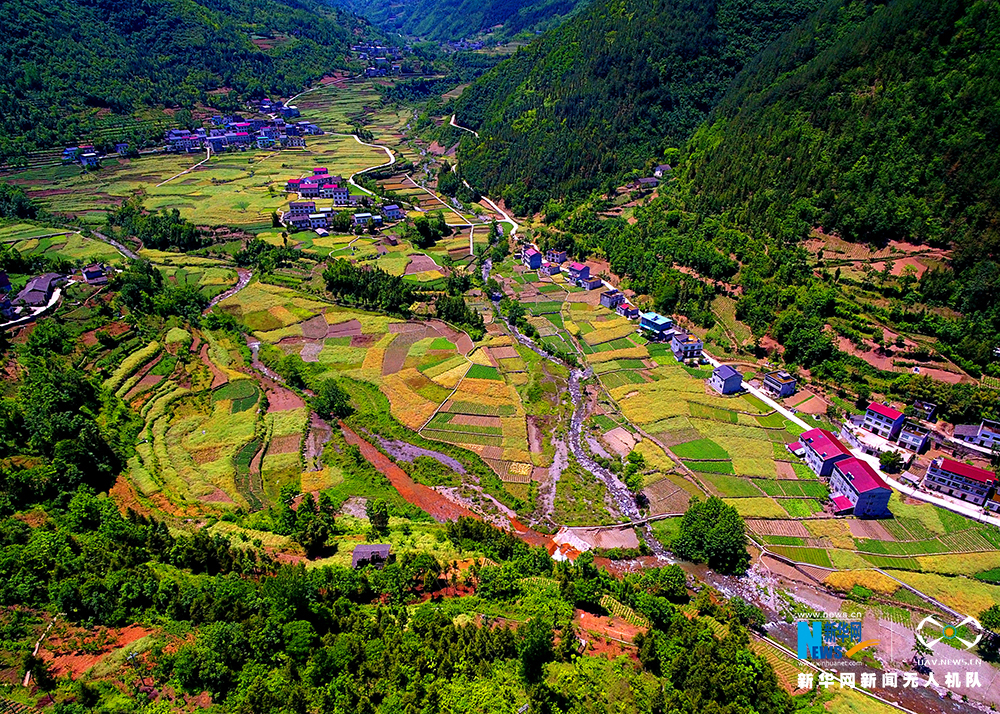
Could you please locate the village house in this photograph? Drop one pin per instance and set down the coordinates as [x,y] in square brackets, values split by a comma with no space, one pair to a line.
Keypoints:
[577,272]
[90,160]
[612,298]
[726,380]
[318,220]
[95,274]
[296,208]
[914,436]
[6,307]
[299,220]
[361,219]
[661,170]
[627,310]
[39,290]
[556,256]
[591,283]
[856,488]
[121,148]
[5,286]
[780,383]
[883,421]
[290,112]
[550,268]
[924,410]
[986,433]
[339,194]
[375,554]
[393,212]
[644,184]
[657,326]
[969,483]
[686,347]
[822,451]
[531,258]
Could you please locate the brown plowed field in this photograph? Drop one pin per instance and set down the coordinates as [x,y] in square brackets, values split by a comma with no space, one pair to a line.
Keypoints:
[869,529]
[778,528]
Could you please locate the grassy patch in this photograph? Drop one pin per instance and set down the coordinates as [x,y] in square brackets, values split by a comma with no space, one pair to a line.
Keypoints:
[700,449]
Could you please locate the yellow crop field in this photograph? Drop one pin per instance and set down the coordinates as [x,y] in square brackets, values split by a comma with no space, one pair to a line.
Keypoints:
[275,336]
[746,448]
[407,406]
[610,330]
[627,353]
[745,466]
[963,594]
[757,507]
[451,378]
[649,406]
[955,565]
[837,531]
[871,579]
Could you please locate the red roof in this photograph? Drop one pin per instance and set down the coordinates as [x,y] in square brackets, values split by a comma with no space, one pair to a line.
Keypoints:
[794,446]
[294,180]
[842,503]
[576,266]
[972,472]
[884,411]
[824,443]
[861,475]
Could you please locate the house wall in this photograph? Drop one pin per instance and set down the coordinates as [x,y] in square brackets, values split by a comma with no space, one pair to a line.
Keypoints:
[881,425]
[955,485]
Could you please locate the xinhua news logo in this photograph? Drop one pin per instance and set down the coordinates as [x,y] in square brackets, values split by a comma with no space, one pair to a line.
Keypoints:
[825,640]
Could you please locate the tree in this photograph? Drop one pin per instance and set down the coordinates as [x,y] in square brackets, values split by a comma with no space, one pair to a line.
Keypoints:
[331,401]
[378,515]
[748,615]
[535,647]
[890,461]
[713,532]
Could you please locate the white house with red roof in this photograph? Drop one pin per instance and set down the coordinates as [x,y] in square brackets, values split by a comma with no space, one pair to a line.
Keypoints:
[969,483]
[856,487]
[822,451]
[883,420]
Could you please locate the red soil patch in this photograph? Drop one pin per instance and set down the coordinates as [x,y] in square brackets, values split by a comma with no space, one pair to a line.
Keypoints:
[364,340]
[124,495]
[89,338]
[351,328]
[606,636]
[217,496]
[284,444]
[279,398]
[75,662]
[420,263]
[148,381]
[218,377]
[813,406]
[315,328]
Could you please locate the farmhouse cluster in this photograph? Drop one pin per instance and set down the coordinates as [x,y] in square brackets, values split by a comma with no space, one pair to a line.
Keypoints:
[305,215]
[38,292]
[382,61]
[234,133]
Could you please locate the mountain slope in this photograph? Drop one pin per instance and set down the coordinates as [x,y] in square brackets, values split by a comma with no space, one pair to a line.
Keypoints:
[887,133]
[611,88]
[63,58]
[443,20]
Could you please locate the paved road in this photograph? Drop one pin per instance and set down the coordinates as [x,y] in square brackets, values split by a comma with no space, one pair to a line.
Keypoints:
[463,128]
[966,509]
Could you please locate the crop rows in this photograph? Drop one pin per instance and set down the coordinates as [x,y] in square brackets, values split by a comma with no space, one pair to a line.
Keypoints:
[623,612]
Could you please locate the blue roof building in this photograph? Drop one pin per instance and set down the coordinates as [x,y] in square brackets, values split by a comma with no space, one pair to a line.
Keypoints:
[725,380]
[655,323]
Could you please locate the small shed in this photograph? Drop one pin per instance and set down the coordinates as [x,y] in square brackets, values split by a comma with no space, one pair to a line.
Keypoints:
[375,554]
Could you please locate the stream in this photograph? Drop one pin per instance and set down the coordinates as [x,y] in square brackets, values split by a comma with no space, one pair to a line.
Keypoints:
[622,497]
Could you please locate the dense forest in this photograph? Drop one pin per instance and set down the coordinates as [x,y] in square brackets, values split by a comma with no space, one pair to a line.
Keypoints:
[67,62]
[444,20]
[618,84]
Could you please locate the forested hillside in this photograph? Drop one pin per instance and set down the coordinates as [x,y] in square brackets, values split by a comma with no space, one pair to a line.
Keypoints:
[444,20]
[66,61]
[871,122]
[878,131]
[611,88]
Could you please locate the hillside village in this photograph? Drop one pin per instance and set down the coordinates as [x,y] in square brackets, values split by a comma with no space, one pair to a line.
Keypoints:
[296,419]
